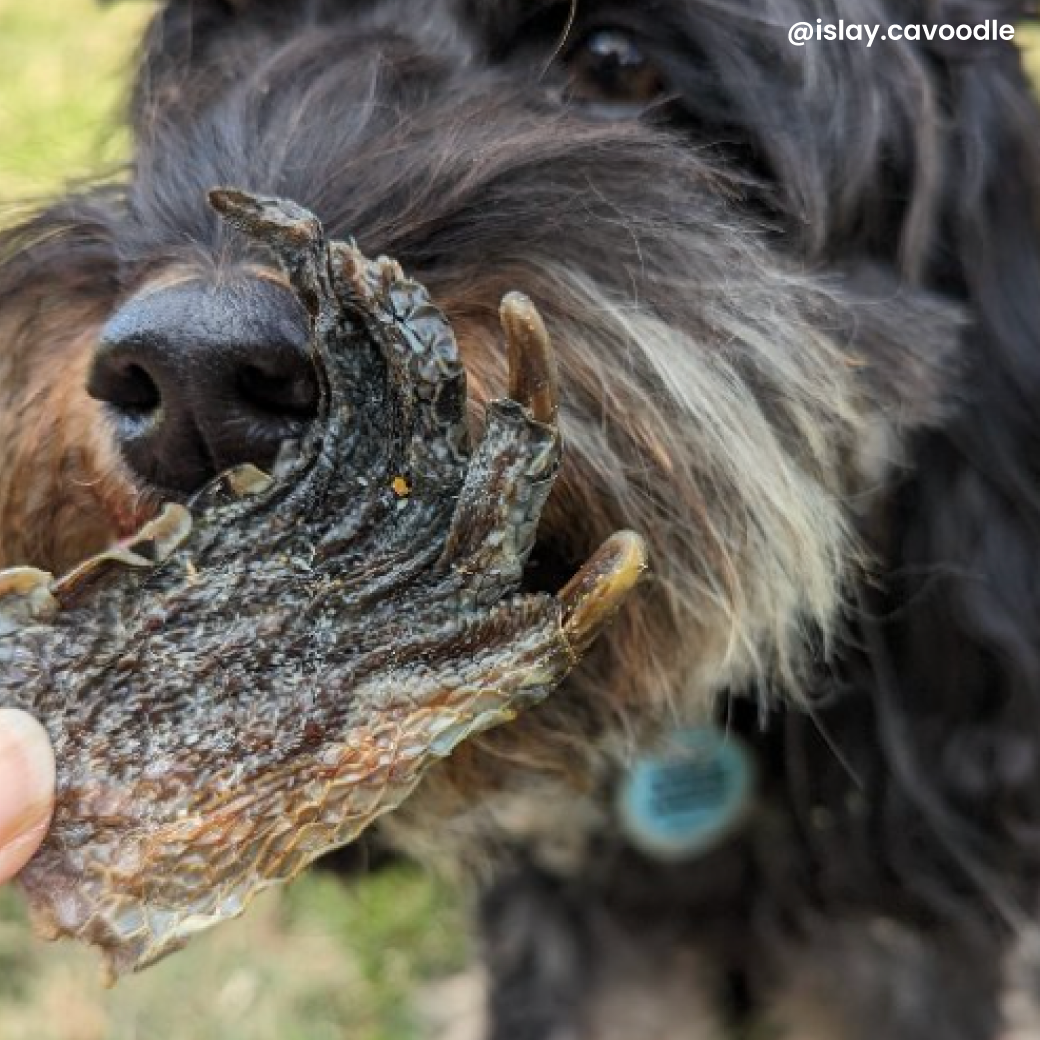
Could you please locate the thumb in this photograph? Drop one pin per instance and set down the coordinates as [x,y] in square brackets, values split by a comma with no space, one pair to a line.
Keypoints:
[26,789]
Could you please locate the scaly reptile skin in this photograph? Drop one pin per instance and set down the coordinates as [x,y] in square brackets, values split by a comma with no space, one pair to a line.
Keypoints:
[250,682]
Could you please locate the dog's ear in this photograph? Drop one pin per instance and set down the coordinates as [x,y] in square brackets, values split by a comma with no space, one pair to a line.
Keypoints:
[968,696]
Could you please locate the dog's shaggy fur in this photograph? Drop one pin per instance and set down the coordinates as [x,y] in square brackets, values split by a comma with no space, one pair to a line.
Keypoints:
[796,299]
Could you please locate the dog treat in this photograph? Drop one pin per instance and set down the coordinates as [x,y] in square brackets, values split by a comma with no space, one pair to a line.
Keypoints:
[252,679]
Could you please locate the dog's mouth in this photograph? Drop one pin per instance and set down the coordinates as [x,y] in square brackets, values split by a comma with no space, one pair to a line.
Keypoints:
[252,678]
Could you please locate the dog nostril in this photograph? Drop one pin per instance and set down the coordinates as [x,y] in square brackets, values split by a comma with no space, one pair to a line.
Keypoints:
[199,377]
[126,386]
[292,395]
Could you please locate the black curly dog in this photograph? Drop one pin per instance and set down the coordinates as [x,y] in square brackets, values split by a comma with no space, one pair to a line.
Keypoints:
[795,293]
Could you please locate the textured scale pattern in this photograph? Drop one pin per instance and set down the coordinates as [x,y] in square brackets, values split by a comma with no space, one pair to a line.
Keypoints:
[252,679]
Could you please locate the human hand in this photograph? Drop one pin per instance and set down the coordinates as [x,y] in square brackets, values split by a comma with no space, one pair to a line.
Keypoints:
[26,789]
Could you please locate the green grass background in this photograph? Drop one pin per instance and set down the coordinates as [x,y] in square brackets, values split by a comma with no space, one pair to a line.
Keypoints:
[62,65]
[380,960]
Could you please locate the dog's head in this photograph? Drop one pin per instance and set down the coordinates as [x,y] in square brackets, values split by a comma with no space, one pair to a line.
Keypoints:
[729,239]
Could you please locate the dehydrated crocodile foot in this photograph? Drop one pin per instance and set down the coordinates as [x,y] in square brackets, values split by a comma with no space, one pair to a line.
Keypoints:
[251,681]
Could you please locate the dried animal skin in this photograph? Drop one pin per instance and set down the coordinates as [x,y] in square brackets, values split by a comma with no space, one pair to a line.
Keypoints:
[250,681]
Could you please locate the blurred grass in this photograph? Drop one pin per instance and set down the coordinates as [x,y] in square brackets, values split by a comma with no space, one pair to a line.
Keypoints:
[317,961]
[62,76]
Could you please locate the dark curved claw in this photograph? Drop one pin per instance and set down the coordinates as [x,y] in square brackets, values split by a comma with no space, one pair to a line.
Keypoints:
[533,378]
[291,232]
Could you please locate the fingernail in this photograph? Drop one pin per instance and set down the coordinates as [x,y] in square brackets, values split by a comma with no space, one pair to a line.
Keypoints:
[26,788]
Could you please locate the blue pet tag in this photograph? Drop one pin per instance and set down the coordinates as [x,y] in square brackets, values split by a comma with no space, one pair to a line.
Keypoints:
[684,799]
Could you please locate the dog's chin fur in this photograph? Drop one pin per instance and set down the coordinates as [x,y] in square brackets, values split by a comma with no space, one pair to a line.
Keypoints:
[798,324]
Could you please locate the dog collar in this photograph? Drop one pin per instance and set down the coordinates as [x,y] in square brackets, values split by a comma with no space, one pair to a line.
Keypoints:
[684,798]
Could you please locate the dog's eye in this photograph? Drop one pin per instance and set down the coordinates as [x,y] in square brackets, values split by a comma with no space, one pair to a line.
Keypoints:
[609,67]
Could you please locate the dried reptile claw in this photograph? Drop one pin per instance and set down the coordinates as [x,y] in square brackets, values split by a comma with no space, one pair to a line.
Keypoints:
[25,596]
[155,543]
[240,688]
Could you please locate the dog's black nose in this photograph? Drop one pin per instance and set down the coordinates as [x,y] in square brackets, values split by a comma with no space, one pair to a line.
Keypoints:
[200,377]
